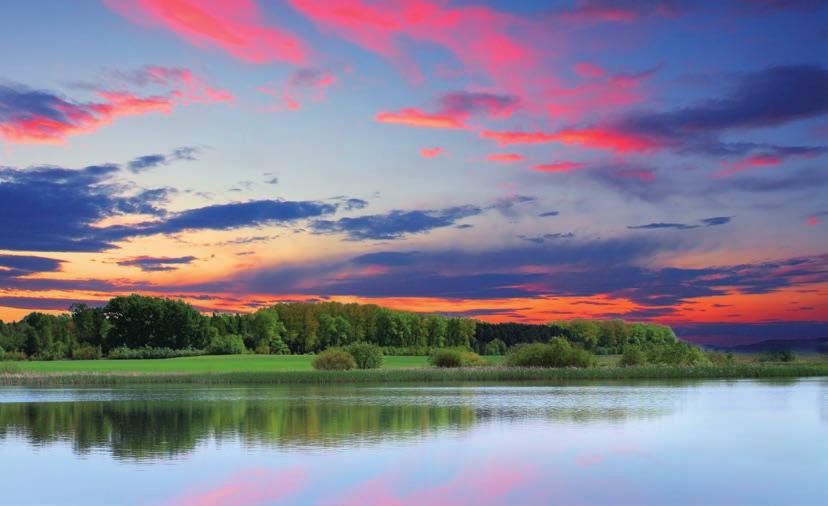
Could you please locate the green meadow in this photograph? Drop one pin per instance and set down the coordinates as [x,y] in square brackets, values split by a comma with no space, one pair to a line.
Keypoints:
[206,364]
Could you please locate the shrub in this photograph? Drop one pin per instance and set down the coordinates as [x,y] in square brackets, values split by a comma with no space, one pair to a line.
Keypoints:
[409,351]
[2,353]
[495,347]
[86,352]
[451,357]
[9,368]
[446,358]
[334,359]
[14,356]
[124,353]
[278,347]
[719,358]
[678,353]
[633,356]
[471,359]
[366,355]
[558,353]
[229,344]
[777,356]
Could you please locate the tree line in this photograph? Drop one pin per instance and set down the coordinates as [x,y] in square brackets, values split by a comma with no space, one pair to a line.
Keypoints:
[131,325]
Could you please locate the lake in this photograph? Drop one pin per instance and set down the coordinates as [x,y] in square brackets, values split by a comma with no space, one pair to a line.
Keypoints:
[700,442]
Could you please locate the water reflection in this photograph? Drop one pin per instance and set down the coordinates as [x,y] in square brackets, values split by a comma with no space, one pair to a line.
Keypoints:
[159,423]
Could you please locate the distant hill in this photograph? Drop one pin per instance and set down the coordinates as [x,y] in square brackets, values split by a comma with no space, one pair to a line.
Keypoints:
[818,345]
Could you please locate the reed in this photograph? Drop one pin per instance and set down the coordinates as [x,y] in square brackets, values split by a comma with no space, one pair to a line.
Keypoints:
[422,375]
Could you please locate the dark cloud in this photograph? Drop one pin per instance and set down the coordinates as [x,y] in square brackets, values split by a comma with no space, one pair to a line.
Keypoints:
[706,222]
[548,214]
[716,221]
[539,239]
[659,226]
[58,209]
[509,206]
[54,209]
[147,162]
[40,303]
[23,265]
[395,224]
[252,213]
[465,102]
[770,97]
[156,264]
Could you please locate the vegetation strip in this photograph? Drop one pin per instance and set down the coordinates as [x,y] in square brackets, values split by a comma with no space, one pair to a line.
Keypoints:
[421,375]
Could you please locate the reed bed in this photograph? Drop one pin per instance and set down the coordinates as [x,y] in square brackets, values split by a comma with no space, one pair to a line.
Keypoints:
[421,375]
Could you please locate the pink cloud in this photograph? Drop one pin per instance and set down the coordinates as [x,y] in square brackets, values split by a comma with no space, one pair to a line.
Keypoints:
[505,157]
[248,488]
[813,221]
[79,118]
[751,162]
[455,110]
[431,152]
[482,39]
[301,84]
[507,138]
[606,138]
[189,87]
[589,70]
[44,117]
[487,484]
[417,118]
[565,166]
[590,460]
[234,26]
[645,175]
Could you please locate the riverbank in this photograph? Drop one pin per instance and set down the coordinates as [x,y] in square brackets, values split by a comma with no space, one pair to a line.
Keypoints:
[418,375]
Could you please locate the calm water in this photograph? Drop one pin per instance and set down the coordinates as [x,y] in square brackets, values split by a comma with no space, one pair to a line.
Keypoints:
[710,442]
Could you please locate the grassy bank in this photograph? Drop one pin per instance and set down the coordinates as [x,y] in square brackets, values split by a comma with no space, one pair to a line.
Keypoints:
[416,375]
[203,364]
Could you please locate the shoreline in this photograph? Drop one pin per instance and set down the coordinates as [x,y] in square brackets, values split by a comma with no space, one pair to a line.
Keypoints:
[417,375]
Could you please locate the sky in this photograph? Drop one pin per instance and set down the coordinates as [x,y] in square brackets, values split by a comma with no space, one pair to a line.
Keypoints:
[527,161]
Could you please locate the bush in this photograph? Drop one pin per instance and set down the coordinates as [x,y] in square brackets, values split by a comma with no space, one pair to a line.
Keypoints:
[409,351]
[86,352]
[778,356]
[471,359]
[558,353]
[229,344]
[449,357]
[334,359]
[719,358]
[9,368]
[495,347]
[278,347]
[14,356]
[366,355]
[124,353]
[678,353]
[2,353]
[633,356]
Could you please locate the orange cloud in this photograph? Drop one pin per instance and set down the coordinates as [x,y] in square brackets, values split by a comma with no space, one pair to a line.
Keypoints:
[605,139]
[431,152]
[507,138]
[559,167]
[505,157]
[234,26]
[416,118]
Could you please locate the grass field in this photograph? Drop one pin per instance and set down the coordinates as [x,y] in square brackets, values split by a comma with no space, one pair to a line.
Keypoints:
[205,364]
